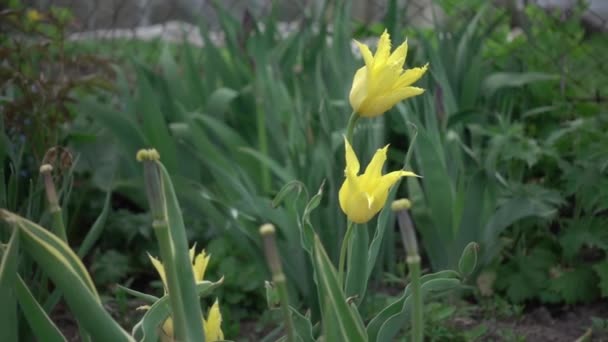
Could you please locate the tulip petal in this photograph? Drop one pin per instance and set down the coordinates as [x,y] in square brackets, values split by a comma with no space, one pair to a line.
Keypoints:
[384,48]
[374,168]
[352,163]
[213,324]
[358,91]
[410,76]
[391,178]
[200,266]
[160,269]
[398,56]
[366,53]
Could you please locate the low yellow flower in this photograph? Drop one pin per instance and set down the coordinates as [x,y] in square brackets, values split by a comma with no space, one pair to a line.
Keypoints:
[363,196]
[213,324]
[33,15]
[383,82]
[199,265]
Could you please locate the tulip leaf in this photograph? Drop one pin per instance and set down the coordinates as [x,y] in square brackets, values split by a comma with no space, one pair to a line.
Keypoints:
[381,227]
[375,325]
[333,301]
[9,327]
[499,80]
[283,174]
[97,228]
[67,272]
[288,188]
[181,264]
[390,328]
[219,100]
[139,295]
[43,328]
[356,274]
[148,326]
[302,326]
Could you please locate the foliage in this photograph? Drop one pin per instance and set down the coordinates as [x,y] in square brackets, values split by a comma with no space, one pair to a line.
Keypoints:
[232,132]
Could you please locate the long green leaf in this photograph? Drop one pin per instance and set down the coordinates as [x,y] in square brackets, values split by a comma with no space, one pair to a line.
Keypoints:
[62,265]
[40,323]
[375,325]
[9,326]
[149,325]
[330,292]
[185,275]
[356,275]
[97,228]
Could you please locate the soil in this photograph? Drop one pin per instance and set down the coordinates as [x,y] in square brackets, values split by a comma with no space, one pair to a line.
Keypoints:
[543,324]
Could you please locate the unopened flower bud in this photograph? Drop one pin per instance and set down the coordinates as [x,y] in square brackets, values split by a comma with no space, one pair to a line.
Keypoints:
[153,182]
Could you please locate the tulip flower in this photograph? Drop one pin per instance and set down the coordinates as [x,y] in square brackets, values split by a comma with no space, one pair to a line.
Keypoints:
[382,82]
[363,196]
[211,325]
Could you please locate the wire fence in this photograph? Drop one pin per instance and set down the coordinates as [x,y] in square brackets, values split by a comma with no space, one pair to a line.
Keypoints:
[176,20]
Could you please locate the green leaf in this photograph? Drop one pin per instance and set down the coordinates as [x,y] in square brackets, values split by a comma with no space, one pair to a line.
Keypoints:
[302,326]
[279,171]
[97,228]
[601,269]
[9,326]
[499,80]
[41,325]
[288,188]
[391,327]
[181,259]
[219,101]
[333,300]
[149,325]
[575,286]
[356,273]
[139,295]
[375,325]
[68,273]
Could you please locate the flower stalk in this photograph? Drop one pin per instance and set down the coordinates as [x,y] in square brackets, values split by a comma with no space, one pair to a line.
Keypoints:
[408,235]
[343,250]
[278,277]
[180,309]
[53,200]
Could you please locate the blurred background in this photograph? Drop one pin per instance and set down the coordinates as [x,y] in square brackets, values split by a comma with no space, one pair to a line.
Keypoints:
[248,100]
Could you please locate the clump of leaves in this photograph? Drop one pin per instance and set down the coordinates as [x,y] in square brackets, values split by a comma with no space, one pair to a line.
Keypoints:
[38,79]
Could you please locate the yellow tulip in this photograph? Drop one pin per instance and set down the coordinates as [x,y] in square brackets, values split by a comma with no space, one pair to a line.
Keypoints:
[33,15]
[363,196]
[382,82]
[213,324]
[199,265]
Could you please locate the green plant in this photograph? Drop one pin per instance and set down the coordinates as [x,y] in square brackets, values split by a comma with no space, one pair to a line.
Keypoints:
[234,123]
[466,193]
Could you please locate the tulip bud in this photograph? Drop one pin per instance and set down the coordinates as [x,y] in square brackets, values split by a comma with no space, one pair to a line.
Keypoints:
[153,182]
[468,259]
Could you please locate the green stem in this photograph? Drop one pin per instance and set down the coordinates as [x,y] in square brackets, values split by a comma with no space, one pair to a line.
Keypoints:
[281,284]
[343,249]
[263,146]
[163,236]
[413,262]
[58,224]
[350,128]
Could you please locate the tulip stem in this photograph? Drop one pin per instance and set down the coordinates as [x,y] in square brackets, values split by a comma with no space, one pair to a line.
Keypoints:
[413,263]
[350,128]
[345,241]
